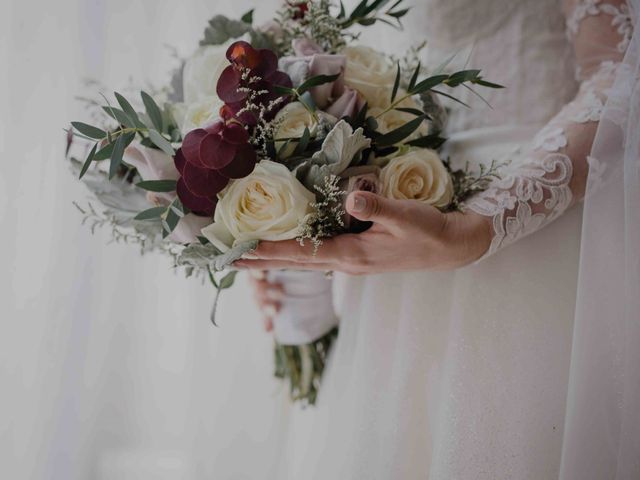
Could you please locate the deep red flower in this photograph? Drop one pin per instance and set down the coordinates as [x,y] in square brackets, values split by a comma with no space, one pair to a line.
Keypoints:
[205,203]
[208,159]
[250,70]
[300,9]
[211,156]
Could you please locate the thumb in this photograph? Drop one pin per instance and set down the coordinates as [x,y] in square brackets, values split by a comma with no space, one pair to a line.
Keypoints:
[371,207]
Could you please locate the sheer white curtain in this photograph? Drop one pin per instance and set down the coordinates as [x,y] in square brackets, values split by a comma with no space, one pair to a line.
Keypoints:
[602,428]
[109,367]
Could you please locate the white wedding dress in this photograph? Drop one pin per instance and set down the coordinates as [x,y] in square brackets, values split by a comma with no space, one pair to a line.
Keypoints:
[464,374]
[110,369]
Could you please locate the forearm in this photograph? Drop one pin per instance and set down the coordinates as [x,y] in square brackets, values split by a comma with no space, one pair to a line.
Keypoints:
[548,176]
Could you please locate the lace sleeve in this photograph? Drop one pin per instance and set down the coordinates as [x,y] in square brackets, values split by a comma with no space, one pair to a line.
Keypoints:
[550,174]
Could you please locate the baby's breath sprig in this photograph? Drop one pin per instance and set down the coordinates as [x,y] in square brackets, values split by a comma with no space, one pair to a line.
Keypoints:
[262,133]
[326,220]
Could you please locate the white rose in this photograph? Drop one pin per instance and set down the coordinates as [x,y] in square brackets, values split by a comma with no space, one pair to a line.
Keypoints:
[370,73]
[269,204]
[202,71]
[290,123]
[418,175]
[198,114]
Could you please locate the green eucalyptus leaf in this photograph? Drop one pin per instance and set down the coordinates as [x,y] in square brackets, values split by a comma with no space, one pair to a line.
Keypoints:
[179,209]
[361,116]
[343,12]
[396,84]
[359,10]
[371,123]
[283,148]
[462,76]
[203,240]
[119,116]
[170,220]
[105,152]
[487,84]
[151,213]
[153,110]
[440,92]
[227,280]
[248,17]
[161,142]
[303,142]
[89,130]
[400,133]
[398,13]
[413,111]
[158,185]
[316,81]
[366,22]
[414,77]
[283,90]
[428,83]
[88,161]
[122,142]
[129,110]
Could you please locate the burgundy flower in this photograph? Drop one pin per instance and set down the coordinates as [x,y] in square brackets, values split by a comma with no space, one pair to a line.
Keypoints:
[248,84]
[300,9]
[209,157]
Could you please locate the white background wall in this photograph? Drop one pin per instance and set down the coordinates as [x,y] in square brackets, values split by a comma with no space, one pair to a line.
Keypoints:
[109,367]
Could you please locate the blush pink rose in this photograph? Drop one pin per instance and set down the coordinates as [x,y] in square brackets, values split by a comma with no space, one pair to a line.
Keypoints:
[325,64]
[347,104]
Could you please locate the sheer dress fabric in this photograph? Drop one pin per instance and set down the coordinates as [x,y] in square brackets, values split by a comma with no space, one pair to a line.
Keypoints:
[465,374]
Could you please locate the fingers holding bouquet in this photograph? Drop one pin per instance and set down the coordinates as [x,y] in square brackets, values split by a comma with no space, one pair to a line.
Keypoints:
[404,235]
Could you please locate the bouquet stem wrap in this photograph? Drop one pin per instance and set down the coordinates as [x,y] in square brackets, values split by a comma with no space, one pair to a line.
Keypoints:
[304,329]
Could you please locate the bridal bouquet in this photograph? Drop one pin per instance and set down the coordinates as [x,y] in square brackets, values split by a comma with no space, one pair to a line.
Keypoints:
[260,137]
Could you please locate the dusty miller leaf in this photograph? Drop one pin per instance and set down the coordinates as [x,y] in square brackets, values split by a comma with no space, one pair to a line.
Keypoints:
[208,256]
[339,148]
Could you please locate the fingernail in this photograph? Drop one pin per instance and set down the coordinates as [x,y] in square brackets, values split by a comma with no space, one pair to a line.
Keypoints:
[258,274]
[274,294]
[270,311]
[249,256]
[358,203]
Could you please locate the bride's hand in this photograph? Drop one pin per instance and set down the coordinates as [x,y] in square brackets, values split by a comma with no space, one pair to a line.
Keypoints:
[406,235]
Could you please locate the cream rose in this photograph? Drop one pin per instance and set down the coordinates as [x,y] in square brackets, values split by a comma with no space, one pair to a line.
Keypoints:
[370,73]
[269,204]
[202,71]
[198,114]
[290,123]
[417,175]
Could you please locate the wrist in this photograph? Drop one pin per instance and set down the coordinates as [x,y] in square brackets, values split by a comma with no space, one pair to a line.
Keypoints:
[471,233]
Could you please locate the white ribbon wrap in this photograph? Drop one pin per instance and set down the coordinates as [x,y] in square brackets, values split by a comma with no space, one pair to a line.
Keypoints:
[306,310]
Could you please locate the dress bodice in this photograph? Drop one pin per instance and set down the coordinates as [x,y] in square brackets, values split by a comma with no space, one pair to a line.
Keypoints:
[519,44]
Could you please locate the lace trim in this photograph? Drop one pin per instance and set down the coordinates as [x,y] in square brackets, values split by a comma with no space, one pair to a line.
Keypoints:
[515,202]
[622,19]
[536,189]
